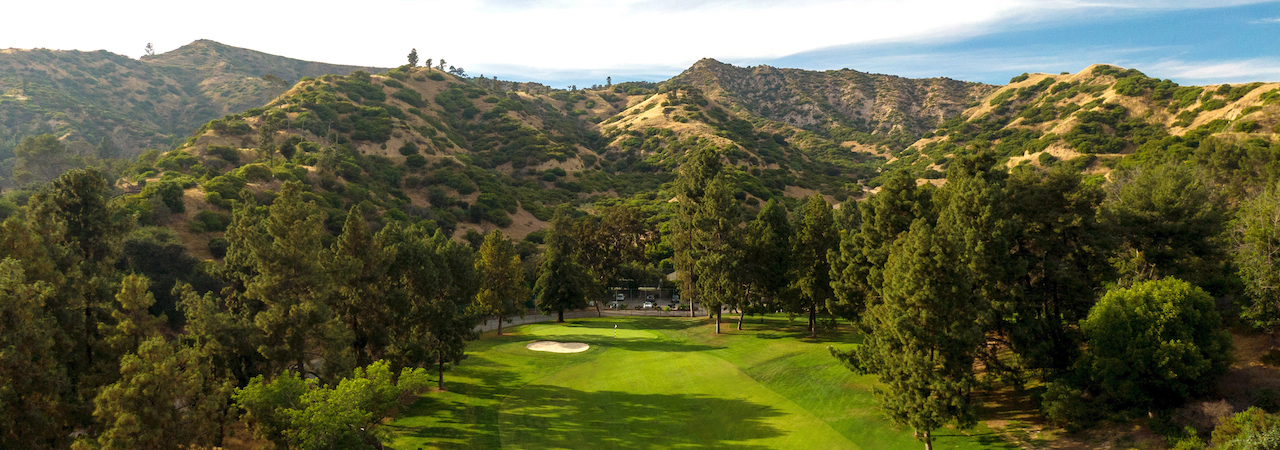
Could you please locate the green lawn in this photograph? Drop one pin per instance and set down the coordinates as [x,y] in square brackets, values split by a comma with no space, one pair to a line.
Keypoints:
[661,383]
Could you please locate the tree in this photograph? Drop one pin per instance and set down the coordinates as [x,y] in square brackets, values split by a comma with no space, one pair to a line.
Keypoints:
[437,279]
[441,65]
[302,414]
[1169,223]
[288,286]
[857,274]
[41,158]
[502,288]
[563,282]
[700,167]
[1257,258]
[150,51]
[359,267]
[1061,252]
[815,236]
[413,57]
[923,336]
[1155,344]
[168,396]
[1252,429]
[267,147]
[766,261]
[619,236]
[31,406]
[133,322]
[608,81]
[428,64]
[711,222]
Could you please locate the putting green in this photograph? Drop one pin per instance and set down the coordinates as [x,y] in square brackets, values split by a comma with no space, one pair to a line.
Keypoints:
[661,383]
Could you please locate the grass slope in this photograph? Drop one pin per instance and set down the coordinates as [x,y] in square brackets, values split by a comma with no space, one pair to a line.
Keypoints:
[661,383]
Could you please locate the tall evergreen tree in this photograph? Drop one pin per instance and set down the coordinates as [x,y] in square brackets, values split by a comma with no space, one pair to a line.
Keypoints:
[858,272]
[31,404]
[923,336]
[563,283]
[291,285]
[1061,252]
[502,288]
[358,268]
[168,396]
[717,245]
[1169,224]
[815,236]
[413,58]
[766,262]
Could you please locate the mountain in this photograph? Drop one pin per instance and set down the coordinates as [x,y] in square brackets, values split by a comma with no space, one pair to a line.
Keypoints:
[154,102]
[475,154]
[1102,118]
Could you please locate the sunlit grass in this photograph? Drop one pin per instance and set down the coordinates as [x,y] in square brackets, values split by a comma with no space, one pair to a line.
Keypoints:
[661,383]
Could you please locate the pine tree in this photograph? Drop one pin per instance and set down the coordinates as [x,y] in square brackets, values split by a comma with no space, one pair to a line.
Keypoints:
[290,283]
[31,406]
[168,396]
[923,336]
[815,236]
[358,269]
[502,288]
[563,283]
[413,57]
[766,261]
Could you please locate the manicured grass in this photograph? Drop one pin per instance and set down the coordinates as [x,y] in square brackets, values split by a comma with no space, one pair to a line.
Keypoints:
[661,383]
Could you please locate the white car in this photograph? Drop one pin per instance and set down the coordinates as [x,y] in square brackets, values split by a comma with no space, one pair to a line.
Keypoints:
[648,305]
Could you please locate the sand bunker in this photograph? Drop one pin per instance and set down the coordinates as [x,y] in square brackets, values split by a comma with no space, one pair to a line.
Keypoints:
[557,347]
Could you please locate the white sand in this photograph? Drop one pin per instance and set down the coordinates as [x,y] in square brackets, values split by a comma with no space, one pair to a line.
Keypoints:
[557,347]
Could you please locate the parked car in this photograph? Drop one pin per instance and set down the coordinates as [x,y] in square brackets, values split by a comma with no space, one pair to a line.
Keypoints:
[648,305]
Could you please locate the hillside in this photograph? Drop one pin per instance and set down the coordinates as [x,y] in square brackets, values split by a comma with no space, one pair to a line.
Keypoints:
[84,97]
[1098,119]
[475,154]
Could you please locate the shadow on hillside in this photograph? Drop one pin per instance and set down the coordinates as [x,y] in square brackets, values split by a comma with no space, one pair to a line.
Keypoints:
[558,417]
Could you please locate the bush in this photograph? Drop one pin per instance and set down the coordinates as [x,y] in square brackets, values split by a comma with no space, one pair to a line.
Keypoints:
[415,161]
[1248,430]
[436,76]
[256,172]
[210,221]
[409,148]
[1247,126]
[1155,344]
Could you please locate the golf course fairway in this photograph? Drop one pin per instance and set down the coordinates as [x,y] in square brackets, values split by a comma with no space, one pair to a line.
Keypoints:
[660,383]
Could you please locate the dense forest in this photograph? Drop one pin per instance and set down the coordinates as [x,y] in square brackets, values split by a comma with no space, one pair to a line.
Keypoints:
[301,270]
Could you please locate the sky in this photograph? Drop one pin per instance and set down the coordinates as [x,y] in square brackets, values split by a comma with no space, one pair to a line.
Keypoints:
[580,42]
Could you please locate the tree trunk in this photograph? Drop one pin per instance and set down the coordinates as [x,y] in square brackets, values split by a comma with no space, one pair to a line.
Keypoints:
[440,369]
[742,313]
[928,440]
[718,309]
[813,321]
[499,324]
[560,317]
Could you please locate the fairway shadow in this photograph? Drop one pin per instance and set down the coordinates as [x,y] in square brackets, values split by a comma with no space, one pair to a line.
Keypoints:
[540,416]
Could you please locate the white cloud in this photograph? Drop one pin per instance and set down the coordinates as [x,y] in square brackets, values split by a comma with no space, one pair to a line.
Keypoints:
[1209,72]
[1270,20]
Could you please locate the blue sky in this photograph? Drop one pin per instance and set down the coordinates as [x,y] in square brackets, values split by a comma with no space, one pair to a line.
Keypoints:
[1189,46]
[563,42]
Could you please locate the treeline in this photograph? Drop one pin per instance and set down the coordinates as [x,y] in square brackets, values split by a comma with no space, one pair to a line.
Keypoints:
[1113,300]
[312,345]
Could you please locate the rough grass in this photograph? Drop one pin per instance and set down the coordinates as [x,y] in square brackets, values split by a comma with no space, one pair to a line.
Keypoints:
[661,383]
